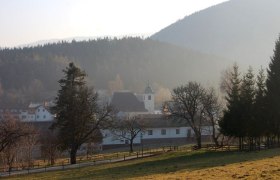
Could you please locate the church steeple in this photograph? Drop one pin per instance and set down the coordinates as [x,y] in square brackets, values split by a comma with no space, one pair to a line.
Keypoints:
[148,89]
[149,99]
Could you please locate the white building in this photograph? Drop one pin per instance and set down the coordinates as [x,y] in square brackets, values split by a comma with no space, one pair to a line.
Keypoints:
[37,113]
[159,130]
[163,130]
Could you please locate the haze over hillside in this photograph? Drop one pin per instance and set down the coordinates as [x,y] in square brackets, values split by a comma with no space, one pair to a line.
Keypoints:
[240,30]
[31,73]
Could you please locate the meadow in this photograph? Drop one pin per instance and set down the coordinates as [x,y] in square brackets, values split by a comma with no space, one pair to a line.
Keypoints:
[201,164]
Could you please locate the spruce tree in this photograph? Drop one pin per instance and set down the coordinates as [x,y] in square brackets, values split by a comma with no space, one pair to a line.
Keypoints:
[78,116]
[259,124]
[229,124]
[247,98]
[273,92]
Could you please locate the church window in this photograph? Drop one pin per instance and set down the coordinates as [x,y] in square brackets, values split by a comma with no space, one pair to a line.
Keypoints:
[149,97]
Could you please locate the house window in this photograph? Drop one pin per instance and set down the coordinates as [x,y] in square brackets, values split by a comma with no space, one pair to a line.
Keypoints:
[149,97]
[38,110]
[44,116]
[38,117]
[43,110]
[177,131]
[163,132]
[150,132]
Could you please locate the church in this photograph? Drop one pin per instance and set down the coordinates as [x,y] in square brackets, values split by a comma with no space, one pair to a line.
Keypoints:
[134,104]
[159,130]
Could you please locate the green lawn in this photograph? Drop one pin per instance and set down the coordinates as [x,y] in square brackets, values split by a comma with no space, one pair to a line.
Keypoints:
[165,163]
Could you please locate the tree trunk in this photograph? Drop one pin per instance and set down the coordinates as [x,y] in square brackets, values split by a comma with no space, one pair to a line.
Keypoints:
[267,142]
[52,160]
[73,155]
[240,147]
[198,142]
[215,139]
[131,146]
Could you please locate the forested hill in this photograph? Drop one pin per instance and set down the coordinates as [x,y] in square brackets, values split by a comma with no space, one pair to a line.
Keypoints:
[31,73]
[241,30]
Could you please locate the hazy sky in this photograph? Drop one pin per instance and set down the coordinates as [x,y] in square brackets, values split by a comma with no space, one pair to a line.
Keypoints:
[27,21]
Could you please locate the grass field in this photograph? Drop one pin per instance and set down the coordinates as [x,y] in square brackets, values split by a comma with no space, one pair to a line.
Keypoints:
[181,165]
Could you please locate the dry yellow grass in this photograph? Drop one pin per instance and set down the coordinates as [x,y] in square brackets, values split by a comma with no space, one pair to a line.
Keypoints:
[196,165]
[268,168]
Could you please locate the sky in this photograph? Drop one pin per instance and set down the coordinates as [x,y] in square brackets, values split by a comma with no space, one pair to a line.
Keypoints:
[28,21]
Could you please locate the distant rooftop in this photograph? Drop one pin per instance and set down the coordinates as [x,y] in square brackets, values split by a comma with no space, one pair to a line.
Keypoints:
[127,102]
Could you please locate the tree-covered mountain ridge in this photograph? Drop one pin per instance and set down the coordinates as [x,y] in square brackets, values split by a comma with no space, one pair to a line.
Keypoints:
[31,73]
[241,30]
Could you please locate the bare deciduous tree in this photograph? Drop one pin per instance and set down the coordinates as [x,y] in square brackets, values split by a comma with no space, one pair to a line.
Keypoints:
[9,154]
[187,105]
[226,84]
[15,136]
[11,131]
[213,112]
[127,129]
[27,144]
[49,146]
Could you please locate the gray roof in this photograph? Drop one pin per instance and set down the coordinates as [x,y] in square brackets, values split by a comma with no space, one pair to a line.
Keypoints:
[160,121]
[127,102]
[163,121]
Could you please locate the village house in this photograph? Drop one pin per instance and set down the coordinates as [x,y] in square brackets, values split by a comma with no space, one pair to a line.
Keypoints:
[37,112]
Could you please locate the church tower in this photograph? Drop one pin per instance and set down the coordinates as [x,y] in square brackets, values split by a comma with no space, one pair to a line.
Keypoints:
[149,99]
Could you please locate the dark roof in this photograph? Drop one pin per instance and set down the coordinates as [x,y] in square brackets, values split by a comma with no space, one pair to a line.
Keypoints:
[127,102]
[162,121]
[149,90]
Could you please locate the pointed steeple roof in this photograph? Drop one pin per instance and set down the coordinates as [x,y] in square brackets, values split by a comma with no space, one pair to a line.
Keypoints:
[148,89]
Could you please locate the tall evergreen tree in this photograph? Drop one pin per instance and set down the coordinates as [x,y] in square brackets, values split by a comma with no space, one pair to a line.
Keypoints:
[247,98]
[259,106]
[230,123]
[258,125]
[78,116]
[273,92]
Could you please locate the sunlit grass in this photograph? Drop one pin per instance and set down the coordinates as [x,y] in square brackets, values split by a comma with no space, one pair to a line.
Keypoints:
[180,165]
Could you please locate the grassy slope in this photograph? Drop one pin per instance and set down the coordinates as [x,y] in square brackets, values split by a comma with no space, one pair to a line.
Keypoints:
[181,163]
